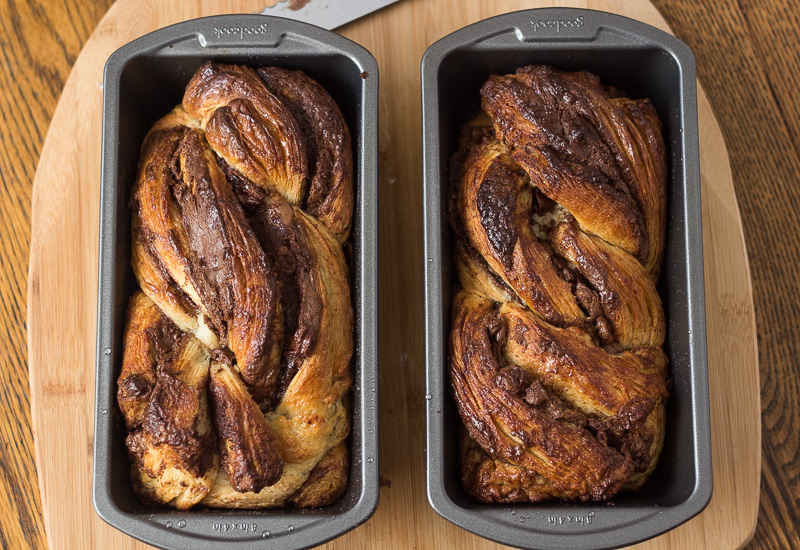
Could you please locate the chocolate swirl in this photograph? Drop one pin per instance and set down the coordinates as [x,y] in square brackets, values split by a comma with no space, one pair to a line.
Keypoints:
[557,200]
[239,343]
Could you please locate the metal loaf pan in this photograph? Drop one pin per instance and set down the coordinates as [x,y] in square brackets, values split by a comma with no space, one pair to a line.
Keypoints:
[645,62]
[143,81]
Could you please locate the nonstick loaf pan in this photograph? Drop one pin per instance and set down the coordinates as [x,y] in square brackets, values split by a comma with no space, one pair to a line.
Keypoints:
[644,62]
[143,81]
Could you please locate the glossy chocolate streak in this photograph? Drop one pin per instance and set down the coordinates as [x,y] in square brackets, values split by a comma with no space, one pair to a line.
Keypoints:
[496,206]
[327,139]
[470,259]
[547,437]
[562,128]
[493,208]
[249,448]
[213,248]
[249,127]
[277,225]
[241,206]
[557,190]
[200,213]
[162,397]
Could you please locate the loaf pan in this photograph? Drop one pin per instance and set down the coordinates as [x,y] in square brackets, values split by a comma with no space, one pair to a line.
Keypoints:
[143,80]
[644,62]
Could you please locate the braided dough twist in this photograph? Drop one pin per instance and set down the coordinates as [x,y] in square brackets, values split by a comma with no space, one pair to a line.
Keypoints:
[236,369]
[557,201]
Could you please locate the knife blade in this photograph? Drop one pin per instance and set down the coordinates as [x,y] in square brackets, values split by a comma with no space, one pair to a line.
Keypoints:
[328,14]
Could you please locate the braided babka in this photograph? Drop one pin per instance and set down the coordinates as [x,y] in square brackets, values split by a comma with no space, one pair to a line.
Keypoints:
[557,203]
[236,366]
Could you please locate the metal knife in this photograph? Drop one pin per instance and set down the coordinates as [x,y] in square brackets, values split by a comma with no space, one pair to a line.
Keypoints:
[327,14]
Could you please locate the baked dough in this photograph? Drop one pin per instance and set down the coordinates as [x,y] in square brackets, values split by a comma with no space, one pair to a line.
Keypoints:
[557,202]
[236,370]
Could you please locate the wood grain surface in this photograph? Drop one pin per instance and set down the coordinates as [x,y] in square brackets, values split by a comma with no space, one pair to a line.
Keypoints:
[63,263]
[747,53]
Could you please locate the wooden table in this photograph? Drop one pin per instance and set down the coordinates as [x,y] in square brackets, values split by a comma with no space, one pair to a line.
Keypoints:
[747,54]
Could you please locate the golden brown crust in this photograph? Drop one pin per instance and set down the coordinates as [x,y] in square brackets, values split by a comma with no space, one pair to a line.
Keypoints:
[557,202]
[239,272]
[327,139]
[327,482]
[248,447]
[163,399]
[494,202]
[599,156]
[250,128]
[489,480]
[189,223]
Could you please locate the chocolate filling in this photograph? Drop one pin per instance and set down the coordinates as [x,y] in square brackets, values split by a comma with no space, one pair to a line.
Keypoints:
[497,202]
[283,235]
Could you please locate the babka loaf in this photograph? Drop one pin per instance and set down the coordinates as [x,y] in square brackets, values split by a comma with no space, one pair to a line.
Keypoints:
[236,367]
[557,204]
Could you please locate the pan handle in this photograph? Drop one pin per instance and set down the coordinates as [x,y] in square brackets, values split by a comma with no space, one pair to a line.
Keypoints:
[563,25]
[558,24]
[240,31]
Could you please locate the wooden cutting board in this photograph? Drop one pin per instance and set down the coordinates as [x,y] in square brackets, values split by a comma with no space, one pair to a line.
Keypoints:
[63,279]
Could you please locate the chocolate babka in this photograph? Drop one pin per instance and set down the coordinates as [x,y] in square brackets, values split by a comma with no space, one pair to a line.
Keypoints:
[236,368]
[557,204]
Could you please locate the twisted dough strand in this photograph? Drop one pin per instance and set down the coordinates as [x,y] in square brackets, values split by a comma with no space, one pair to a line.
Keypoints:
[558,206]
[235,271]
